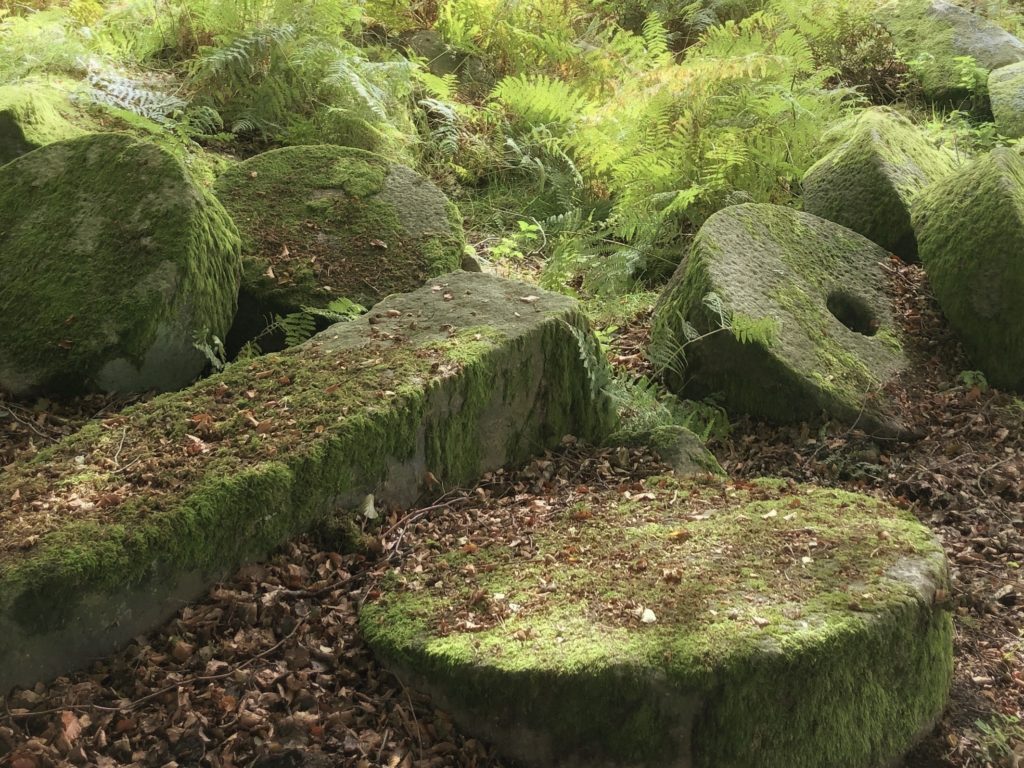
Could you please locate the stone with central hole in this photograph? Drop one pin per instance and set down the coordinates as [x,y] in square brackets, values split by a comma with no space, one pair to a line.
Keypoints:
[783,315]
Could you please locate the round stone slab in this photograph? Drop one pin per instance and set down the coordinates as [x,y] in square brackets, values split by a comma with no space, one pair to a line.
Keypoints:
[321,223]
[114,266]
[686,624]
[785,315]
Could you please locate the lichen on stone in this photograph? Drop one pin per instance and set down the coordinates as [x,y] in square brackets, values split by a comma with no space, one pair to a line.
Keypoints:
[114,263]
[970,227]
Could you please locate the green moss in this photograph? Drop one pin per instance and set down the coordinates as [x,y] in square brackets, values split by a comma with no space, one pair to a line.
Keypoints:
[31,117]
[851,664]
[971,233]
[287,440]
[109,252]
[324,222]
[1006,92]
[868,182]
[779,268]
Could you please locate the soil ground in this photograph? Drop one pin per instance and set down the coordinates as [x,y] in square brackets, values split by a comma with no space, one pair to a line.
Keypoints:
[270,672]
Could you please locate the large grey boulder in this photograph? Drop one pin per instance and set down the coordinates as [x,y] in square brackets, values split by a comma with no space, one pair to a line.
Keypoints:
[785,315]
[934,33]
[869,180]
[694,624]
[970,229]
[115,265]
[1006,92]
[103,537]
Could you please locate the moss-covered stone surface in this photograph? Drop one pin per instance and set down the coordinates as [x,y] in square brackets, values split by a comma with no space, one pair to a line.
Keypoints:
[868,181]
[688,624]
[784,315]
[325,222]
[31,117]
[933,34]
[1006,92]
[102,534]
[970,228]
[113,263]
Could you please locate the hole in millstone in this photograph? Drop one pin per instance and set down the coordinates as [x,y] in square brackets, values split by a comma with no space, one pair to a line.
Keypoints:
[853,312]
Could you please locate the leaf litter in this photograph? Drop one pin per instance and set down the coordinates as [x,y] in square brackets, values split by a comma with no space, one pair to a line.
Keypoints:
[269,671]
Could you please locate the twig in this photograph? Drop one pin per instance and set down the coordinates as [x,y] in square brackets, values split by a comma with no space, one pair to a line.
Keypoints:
[133,705]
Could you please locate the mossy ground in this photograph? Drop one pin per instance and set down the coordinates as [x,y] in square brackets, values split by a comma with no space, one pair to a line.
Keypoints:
[106,244]
[971,233]
[868,182]
[781,637]
[772,265]
[325,222]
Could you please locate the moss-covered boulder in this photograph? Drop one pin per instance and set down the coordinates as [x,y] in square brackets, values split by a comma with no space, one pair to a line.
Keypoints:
[970,228]
[783,314]
[103,534]
[867,182]
[1006,92]
[31,117]
[694,625]
[114,264]
[323,222]
[934,34]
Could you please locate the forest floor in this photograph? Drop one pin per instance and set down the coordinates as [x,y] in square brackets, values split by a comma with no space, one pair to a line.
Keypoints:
[269,670]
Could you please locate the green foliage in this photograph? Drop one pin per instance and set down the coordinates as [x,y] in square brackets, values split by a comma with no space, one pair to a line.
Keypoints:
[295,328]
[972,379]
[999,737]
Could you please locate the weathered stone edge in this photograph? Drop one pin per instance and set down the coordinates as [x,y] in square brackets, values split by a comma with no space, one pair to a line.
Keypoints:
[58,612]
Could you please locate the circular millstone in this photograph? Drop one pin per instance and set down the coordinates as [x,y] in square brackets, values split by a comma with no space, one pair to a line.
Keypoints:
[322,223]
[785,315]
[689,625]
[114,266]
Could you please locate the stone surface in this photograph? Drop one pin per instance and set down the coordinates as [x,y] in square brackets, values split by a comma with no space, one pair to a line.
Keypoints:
[705,624]
[937,32]
[321,223]
[1006,92]
[970,228]
[137,514]
[30,117]
[868,181]
[113,263]
[793,317]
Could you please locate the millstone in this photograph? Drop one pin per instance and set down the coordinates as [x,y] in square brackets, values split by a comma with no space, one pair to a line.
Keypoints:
[937,35]
[702,624]
[115,266]
[323,223]
[868,181]
[30,117]
[970,227]
[785,316]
